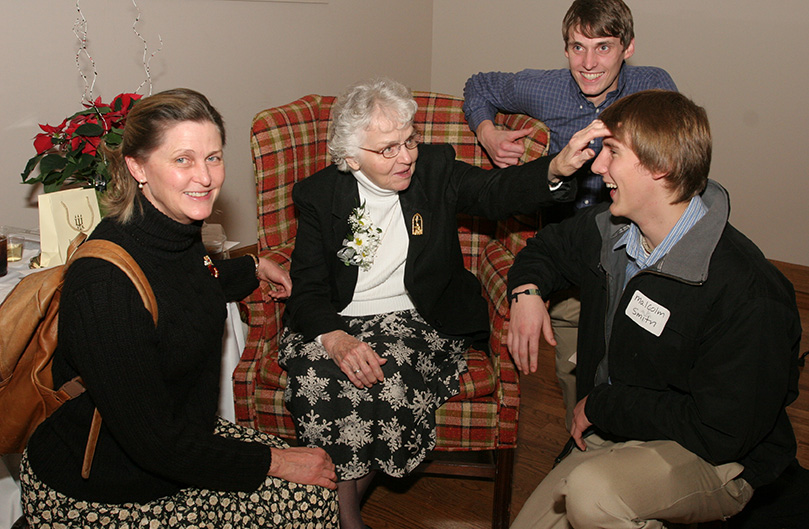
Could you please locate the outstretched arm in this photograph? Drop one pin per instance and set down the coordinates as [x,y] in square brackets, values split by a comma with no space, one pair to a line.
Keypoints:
[577,151]
[271,272]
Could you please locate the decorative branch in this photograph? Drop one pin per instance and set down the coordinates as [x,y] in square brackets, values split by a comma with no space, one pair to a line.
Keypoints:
[146,61]
[80,30]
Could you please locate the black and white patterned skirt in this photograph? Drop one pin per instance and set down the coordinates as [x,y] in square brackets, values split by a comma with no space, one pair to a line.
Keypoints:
[389,426]
[276,503]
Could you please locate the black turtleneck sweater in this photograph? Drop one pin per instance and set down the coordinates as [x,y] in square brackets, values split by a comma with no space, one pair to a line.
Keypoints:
[156,388]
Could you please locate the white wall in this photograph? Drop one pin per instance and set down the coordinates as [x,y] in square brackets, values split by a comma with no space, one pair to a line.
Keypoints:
[245,56]
[741,59]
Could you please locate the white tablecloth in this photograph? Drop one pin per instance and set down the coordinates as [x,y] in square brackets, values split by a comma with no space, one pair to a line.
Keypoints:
[10,508]
[232,347]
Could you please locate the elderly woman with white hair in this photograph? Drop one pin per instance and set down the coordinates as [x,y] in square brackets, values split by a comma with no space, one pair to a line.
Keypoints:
[382,309]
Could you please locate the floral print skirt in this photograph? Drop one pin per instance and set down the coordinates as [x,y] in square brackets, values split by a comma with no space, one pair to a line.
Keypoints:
[277,503]
[389,426]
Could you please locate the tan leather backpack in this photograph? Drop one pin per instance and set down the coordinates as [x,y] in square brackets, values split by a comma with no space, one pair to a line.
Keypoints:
[28,332]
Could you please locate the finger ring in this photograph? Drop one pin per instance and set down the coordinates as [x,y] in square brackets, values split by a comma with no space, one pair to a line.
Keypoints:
[357,371]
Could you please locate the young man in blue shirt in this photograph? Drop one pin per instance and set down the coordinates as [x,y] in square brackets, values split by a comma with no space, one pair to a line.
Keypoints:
[599,37]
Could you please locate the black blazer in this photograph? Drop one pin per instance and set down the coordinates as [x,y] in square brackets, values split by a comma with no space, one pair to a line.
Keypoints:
[443,291]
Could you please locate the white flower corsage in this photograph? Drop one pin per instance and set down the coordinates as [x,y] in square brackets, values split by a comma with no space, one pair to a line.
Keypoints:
[364,239]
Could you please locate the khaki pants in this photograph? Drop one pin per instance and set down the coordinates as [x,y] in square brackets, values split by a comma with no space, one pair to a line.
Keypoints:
[564,312]
[633,485]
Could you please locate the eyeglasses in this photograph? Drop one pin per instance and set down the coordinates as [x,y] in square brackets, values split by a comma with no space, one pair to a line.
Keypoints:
[392,151]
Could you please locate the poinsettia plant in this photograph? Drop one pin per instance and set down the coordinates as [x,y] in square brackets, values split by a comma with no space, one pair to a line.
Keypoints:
[69,153]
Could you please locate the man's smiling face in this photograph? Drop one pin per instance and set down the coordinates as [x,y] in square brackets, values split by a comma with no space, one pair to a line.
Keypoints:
[595,63]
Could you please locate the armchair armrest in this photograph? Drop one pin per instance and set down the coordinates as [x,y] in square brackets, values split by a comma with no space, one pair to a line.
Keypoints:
[263,318]
[496,260]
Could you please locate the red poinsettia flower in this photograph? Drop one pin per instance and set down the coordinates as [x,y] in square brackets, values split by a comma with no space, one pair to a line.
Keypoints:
[85,144]
[53,130]
[114,119]
[95,104]
[91,145]
[126,102]
[79,135]
[44,141]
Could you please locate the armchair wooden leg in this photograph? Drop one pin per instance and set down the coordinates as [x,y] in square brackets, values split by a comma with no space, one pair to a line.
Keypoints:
[504,472]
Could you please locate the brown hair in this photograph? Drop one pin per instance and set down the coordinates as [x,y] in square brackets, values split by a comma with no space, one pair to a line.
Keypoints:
[144,132]
[599,18]
[668,133]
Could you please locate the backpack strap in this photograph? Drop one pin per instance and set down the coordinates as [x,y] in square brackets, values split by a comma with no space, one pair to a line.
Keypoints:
[113,253]
[70,390]
[90,448]
[109,251]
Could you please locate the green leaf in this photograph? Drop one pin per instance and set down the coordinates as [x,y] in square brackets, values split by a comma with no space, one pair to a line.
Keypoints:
[32,163]
[52,162]
[35,179]
[114,137]
[89,129]
[85,112]
[101,109]
[53,177]
[84,161]
[74,155]
[50,188]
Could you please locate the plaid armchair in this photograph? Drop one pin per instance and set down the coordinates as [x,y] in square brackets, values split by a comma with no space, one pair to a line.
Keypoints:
[289,144]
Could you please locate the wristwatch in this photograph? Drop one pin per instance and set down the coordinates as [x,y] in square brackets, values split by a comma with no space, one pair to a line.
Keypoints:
[530,291]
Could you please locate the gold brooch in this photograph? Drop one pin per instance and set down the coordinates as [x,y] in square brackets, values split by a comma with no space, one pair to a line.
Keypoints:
[417,225]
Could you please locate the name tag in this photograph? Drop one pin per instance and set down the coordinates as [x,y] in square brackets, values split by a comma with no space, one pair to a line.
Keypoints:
[647,313]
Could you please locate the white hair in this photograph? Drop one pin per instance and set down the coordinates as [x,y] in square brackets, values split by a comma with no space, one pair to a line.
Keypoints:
[356,107]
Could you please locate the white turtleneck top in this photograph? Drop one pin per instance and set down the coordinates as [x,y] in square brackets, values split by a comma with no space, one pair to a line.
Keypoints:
[381,289]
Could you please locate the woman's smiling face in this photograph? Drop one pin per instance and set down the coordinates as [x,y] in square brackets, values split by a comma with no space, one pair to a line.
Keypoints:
[183,176]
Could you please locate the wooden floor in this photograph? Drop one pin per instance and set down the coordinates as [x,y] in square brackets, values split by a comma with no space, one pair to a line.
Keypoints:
[446,503]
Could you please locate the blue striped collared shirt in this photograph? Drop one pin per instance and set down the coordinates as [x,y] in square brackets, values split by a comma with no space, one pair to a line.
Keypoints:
[638,258]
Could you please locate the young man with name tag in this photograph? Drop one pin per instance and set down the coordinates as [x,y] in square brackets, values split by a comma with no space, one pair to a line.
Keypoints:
[688,342]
